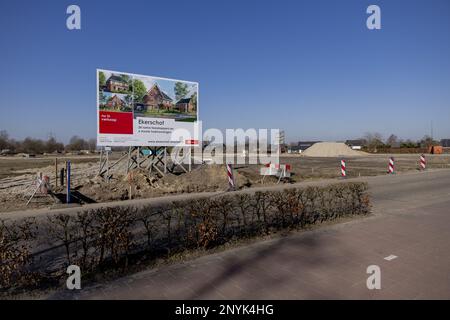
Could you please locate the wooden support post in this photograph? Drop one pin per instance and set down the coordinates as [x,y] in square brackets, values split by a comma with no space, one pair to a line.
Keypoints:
[190,158]
[137,157]
[101,162]
[68,181]
[61,177]
[56,172]
[165,159]
[107,165]
[129,159]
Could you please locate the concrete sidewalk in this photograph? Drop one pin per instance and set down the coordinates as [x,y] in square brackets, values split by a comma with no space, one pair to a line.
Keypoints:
[411,221]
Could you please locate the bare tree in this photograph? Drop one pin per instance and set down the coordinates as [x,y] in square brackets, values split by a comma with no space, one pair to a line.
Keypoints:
[427,141]
[30,145]
[51,145]
[392,141]
[76,144]
[4,140]
[92,143]
[374,140]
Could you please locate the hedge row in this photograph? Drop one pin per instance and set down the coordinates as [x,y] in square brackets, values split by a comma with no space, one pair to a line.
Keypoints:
[109,237]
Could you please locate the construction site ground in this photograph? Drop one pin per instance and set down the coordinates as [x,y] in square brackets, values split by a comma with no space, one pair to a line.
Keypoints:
[18,177]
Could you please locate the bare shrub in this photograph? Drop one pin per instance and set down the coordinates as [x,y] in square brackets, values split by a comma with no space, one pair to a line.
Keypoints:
[262,206]
[107,237]
[85,234]
[114,237]
[62,228]
[148,218]
[223,206]
[15,254]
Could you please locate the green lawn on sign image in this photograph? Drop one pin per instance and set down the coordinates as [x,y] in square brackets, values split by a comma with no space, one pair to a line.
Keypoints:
[172,114]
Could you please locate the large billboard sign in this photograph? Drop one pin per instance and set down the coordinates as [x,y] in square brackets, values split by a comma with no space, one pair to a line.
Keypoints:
[137,110]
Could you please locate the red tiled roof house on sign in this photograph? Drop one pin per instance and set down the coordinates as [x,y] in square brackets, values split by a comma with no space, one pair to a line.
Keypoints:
[185,105]
[116,83]
[156,99]
[115,103]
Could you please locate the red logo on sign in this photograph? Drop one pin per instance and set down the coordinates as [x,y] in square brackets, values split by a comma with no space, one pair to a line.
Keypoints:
[191,141]
[116,122]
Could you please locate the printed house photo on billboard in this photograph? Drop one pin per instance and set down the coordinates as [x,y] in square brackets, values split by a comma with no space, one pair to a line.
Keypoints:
[115,102]
[114,92]
[161,98]
[114,82]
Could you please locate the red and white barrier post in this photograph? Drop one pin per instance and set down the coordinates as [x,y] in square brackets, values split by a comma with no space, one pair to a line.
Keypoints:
[423,162]
[230,175]
[343,169]
[391,165]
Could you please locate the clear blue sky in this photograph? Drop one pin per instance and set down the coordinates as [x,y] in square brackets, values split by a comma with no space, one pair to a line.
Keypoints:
[310,67]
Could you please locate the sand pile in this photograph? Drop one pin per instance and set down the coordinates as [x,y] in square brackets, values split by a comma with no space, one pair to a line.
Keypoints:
[331,149]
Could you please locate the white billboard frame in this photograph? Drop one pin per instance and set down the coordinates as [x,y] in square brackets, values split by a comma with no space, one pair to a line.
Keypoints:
[196,136]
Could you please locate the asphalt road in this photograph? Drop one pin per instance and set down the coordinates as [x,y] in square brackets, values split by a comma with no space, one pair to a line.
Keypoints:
[410,227]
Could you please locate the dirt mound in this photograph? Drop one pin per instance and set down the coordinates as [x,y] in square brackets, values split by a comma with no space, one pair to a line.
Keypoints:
[203,178]
[331,149]
[144,184]
[141,182]
[88,187]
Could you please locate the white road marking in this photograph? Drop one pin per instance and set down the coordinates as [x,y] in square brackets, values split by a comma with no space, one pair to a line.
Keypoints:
[391,257]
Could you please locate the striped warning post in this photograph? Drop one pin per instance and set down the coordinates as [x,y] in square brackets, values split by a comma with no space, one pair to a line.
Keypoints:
[423,162]
[230,177]
[391,165]
[343,169]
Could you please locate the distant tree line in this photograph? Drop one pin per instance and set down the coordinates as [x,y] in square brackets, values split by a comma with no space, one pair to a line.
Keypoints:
[375,141]
[39,146]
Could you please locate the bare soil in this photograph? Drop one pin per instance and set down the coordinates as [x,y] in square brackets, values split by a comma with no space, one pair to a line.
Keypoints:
[18,177]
